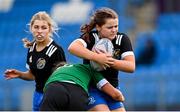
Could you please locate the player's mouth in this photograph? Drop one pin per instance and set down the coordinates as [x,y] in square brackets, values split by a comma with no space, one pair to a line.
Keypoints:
[113,34]
[39,37]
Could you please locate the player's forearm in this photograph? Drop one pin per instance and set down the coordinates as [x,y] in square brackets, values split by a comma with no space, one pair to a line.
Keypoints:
[80,51]
[126,65]
[26,76]
[113,92]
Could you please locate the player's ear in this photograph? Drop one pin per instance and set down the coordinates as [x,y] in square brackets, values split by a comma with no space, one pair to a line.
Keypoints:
[98,28]
[50,29]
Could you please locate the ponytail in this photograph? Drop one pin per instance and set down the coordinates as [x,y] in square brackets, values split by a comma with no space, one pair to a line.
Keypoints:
[87,28]
[27,43]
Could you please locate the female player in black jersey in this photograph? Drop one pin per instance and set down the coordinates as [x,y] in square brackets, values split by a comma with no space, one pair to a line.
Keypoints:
[105,21]
[42,56]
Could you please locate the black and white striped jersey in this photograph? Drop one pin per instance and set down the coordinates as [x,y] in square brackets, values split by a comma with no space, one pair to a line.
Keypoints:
[42,62]
[122,48]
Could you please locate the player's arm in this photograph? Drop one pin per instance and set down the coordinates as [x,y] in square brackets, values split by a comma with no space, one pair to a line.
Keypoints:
[127,64]
[13,73]
[103,85]
[113,92]
[78,48]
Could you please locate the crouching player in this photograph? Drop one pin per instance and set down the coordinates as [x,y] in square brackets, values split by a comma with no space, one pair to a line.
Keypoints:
[67,88]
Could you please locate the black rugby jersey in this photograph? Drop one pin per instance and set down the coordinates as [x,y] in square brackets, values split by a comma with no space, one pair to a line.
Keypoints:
[122,48]
[41,63]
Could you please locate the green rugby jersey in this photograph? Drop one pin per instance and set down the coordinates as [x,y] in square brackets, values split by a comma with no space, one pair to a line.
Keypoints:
[80,74]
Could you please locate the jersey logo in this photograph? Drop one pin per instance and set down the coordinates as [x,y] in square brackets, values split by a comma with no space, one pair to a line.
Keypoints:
[91,100]
[41,62]
[117,53]
[118,39]
[51,50]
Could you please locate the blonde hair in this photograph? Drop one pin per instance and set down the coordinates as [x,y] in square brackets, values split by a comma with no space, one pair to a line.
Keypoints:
[42,15]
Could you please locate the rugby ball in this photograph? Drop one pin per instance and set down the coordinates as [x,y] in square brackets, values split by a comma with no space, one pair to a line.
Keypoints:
[104,45]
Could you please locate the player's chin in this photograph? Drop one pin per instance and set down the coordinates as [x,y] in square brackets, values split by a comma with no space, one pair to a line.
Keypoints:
[111,37]
[40,40]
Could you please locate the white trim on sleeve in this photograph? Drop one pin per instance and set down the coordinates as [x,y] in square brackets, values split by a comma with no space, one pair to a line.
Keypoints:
[127,54]
[82,41]
[101,83]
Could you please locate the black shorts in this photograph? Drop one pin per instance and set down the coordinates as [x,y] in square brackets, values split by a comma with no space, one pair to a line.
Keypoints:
[62,96]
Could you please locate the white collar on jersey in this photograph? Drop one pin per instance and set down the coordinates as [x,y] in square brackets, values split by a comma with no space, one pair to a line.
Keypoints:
[50,42]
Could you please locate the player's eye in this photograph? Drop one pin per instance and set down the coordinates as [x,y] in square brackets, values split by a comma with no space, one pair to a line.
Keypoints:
[44,27]
[36,27]
[116,26]
[109,27]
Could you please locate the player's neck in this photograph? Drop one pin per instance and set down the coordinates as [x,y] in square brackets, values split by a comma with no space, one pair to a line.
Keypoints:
[41,45]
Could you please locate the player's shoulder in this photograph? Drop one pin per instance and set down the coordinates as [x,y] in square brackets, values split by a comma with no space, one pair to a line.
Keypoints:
[93,34]
[122,35]
[53,48]
[55,44]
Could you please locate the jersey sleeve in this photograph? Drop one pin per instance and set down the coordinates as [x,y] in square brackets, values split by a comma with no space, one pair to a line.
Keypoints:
[59,56]
[98,79]
[126,47]
[89,41]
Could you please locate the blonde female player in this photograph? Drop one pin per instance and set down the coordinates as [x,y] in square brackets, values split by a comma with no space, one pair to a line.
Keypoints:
[42,56]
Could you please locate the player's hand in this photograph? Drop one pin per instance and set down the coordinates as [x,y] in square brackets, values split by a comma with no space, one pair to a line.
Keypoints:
[26,42]
[11,73]
[118,96]
[103,59]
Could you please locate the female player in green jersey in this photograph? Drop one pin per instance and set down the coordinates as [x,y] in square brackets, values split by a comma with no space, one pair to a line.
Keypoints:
[67,88]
